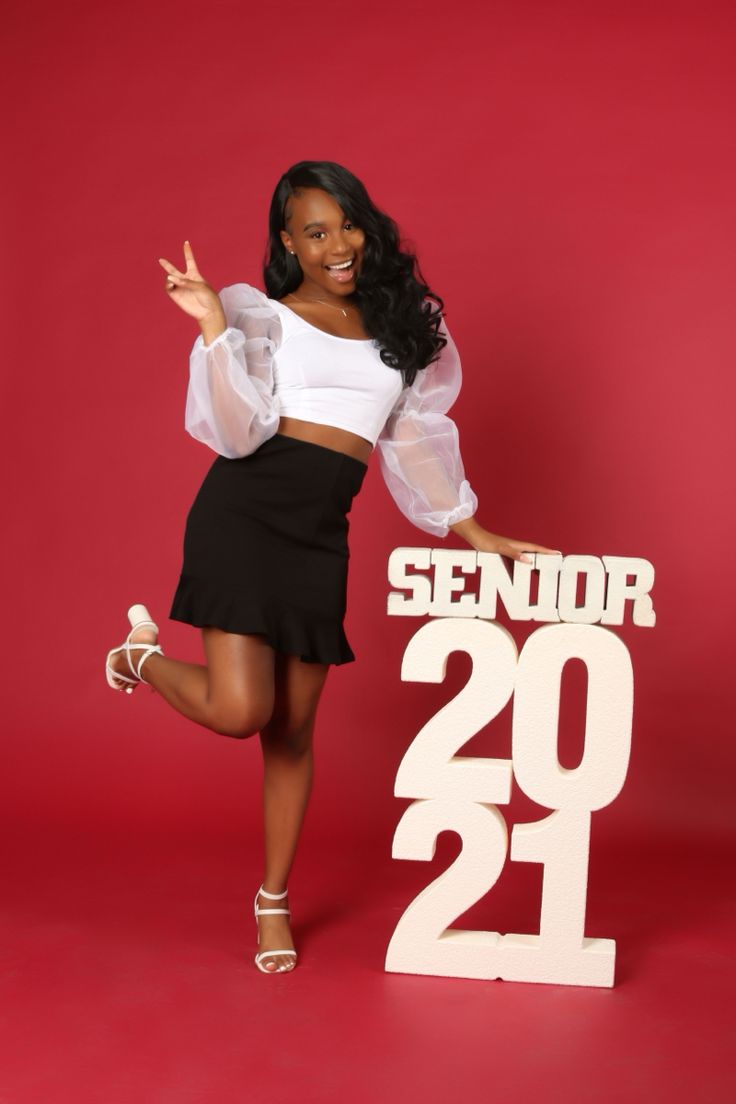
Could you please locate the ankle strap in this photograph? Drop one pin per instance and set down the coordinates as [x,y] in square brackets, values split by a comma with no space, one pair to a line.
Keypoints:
[272,896]
[148,650]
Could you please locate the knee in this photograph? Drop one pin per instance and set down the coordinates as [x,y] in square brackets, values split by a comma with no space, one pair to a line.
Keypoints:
[239,723]
[289,741]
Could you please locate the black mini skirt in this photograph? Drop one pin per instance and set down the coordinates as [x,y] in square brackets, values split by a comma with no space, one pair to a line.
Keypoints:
[266,548]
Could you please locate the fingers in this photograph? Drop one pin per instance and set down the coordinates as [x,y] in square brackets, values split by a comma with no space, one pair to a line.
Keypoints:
[192,269]
[173,281]
[523,551]
[167,265]
[175,278]
[526,555]
[191,264]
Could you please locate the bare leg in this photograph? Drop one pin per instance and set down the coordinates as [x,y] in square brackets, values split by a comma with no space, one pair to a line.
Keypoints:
[288,762]
[233,694]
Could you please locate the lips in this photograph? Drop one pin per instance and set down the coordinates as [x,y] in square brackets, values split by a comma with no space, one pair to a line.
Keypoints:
[342,275]
[345,268]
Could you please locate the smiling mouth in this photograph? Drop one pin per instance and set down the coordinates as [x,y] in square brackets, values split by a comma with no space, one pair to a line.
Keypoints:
[343,266]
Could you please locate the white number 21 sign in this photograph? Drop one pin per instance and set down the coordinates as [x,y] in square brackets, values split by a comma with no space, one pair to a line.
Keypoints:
[463,794]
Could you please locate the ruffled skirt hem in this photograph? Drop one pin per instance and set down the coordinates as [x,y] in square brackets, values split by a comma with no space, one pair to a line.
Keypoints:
[201,603]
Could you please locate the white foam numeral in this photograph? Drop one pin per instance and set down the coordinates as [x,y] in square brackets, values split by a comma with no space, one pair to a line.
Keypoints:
[455,793]
[430,767]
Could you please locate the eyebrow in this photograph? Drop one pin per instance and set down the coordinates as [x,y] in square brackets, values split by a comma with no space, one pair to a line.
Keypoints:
[311,224]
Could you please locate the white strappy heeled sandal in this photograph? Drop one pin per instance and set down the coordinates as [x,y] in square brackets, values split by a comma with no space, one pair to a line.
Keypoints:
[138,616]
[262,912]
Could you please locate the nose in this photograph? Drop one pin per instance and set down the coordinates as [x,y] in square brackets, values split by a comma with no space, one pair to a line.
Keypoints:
[342,247]
[341,250]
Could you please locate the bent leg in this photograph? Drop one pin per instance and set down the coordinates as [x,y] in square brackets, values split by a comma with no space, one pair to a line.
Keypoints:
[288,762]
[233,694]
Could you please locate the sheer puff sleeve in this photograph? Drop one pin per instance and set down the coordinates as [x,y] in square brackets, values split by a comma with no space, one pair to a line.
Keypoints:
[230,402]
[419,450]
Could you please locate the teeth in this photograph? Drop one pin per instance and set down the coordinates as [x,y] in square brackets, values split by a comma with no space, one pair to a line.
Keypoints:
[345,264]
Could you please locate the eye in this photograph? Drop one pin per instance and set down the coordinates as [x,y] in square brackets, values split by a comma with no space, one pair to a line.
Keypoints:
[316,233]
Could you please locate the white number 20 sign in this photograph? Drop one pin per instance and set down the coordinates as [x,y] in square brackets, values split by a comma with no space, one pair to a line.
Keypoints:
[462,794]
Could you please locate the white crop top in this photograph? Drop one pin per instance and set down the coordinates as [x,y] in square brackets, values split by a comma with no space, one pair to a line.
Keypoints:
[333,380]
[270,362]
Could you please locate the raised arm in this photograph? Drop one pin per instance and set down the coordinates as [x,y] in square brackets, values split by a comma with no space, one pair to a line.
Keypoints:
[230,404]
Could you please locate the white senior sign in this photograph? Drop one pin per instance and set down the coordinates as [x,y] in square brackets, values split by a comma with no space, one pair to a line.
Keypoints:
[462,793]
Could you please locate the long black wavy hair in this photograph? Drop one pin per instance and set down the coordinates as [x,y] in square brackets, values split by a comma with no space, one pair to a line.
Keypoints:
[390,291]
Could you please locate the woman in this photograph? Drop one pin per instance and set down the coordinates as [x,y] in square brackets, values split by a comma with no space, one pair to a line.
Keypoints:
[293,389]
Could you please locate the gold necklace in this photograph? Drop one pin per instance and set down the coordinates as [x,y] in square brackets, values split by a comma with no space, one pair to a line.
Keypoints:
[293,296]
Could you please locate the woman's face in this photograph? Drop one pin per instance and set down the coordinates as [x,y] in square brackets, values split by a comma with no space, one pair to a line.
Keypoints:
[322,237]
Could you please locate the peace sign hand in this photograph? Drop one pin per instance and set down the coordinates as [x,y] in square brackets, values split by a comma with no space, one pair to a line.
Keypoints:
[190,290]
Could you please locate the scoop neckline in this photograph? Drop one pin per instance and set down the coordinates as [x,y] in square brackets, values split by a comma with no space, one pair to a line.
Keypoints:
[335,337]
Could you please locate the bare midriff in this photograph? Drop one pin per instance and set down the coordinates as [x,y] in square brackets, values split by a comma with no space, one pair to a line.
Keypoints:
[341,440]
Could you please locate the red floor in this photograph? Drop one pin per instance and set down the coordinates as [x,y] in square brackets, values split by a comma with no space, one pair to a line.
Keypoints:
[128,976]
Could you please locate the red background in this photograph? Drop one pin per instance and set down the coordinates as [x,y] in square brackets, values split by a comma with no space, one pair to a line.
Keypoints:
[566,174]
